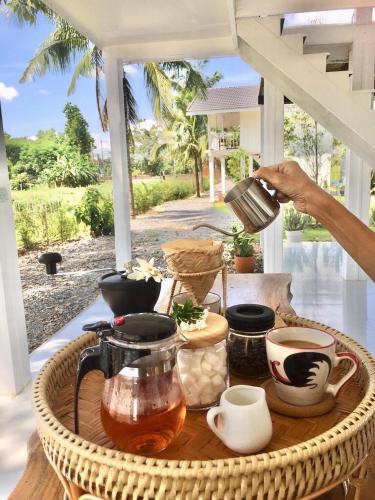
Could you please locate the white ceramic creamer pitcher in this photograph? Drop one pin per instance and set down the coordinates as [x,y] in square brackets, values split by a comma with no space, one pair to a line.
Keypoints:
[244,422]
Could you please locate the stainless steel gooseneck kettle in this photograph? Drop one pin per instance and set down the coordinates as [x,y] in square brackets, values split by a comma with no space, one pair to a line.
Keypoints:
[255,207]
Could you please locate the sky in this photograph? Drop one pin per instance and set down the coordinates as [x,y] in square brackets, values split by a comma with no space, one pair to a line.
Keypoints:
[36,105]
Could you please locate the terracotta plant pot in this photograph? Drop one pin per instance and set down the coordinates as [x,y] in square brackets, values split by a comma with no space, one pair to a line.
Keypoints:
[244,264]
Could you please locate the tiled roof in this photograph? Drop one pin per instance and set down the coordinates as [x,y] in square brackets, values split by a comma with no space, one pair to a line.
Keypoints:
[228,98]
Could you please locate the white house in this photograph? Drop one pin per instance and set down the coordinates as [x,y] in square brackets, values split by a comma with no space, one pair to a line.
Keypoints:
[233,122]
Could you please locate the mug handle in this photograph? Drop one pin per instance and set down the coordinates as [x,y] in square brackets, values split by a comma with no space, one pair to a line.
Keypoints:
[334,389]
[211,415]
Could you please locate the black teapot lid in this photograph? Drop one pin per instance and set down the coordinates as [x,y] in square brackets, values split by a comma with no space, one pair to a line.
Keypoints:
[135,328]
[144,327]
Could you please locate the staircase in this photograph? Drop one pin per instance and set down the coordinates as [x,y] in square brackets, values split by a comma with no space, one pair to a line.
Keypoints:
[303,78]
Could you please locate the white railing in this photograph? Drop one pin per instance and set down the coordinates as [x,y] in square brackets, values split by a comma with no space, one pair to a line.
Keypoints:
[225,140]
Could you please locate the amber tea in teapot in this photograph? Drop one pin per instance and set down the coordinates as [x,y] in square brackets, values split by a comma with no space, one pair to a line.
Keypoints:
[143,407]
[145,415]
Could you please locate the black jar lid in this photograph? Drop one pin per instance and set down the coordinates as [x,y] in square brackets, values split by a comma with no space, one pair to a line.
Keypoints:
[250,318]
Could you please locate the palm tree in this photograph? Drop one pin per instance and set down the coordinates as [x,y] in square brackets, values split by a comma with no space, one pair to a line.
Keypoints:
[65,43]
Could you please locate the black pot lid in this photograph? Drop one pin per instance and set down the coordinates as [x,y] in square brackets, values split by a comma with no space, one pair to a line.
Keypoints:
[144,327]
[112,280]
[250,318]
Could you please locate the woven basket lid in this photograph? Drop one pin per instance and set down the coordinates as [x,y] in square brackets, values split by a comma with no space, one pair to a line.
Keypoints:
[215,331]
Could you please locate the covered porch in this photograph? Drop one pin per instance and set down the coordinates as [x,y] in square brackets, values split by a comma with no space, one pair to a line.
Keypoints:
[163,31]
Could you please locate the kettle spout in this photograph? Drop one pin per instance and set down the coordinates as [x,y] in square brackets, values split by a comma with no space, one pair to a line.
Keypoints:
[219,230]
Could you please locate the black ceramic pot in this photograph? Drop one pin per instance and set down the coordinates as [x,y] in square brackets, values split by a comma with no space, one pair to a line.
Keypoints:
[126,296]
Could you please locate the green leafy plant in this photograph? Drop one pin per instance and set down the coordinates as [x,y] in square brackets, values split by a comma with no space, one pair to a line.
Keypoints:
[71,168]
[372,217]
[293,220]
[187,312]
[242,243]
[96,211]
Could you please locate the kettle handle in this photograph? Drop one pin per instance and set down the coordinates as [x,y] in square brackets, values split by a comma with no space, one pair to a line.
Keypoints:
[90,359]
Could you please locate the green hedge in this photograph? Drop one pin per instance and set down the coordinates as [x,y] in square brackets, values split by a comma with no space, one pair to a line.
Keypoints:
[45,216]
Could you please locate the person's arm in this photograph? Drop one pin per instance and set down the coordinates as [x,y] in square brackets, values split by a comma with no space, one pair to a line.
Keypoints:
[291,183]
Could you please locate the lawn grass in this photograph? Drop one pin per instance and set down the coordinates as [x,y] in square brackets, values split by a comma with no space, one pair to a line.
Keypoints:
[45,193]
[316,234]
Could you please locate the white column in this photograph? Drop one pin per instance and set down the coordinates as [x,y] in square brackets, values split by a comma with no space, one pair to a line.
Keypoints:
[211,171]
[117,132]
[222,165]
[272,144]
[14,359]
[357,172]
[251,165]
[357,200]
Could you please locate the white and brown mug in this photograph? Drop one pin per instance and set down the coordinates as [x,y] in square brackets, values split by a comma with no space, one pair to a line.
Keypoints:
[300,361]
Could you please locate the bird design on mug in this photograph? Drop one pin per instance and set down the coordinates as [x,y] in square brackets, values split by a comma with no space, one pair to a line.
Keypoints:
[302,369]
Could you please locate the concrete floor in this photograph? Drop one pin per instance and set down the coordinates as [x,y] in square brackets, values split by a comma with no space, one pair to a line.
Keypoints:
[319,293]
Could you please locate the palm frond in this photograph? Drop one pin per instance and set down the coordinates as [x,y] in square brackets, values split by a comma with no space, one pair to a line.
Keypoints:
[192,78]
[85,67]
[130,102]
[56,52]
[158,87]
[26,11]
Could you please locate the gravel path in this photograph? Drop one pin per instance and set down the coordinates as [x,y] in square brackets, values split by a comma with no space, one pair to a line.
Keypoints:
[50,302]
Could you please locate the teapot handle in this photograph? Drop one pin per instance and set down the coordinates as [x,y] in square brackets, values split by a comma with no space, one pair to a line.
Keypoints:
[90,359]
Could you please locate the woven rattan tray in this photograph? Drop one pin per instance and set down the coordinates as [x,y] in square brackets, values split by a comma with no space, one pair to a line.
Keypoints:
[304,456]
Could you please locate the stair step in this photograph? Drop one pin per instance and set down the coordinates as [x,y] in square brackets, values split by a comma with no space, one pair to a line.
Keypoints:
[319,60]
[273,23]
[347,117]
[295,41]
[340,78]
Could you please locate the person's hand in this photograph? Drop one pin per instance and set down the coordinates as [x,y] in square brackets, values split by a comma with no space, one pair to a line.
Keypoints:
[290,183]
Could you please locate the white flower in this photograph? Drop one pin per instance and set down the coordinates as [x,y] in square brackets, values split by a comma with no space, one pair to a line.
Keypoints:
[145,270]
[197,325]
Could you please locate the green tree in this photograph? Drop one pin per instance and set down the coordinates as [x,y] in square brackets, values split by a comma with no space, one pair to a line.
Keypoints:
[189,135]
[65,44]
[304,138]
[77,130]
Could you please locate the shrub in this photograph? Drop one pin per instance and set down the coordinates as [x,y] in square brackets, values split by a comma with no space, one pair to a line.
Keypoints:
[154,193]
[293,220]
[32,162]
[20,181]
[44,222]
[372,217]
[71,169]
[96,211]
[25,225]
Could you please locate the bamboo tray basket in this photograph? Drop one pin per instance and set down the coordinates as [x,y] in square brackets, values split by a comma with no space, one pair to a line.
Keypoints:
[304,456]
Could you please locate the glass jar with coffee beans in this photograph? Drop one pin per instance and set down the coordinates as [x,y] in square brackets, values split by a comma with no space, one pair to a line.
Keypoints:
[246,346]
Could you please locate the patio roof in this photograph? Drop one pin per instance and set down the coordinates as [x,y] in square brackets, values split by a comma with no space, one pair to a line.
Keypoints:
[225,100]
[167,29]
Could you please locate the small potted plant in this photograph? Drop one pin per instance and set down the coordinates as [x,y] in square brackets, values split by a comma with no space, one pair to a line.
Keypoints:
[243,252]
[294,224]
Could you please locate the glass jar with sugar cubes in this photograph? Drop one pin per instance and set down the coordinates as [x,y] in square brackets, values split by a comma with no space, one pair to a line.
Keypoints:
[203,363]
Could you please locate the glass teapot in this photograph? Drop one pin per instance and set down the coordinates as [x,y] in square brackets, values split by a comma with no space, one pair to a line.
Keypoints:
[143,407]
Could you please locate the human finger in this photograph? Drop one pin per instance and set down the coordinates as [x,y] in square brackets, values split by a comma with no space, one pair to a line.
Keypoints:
[269,175]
